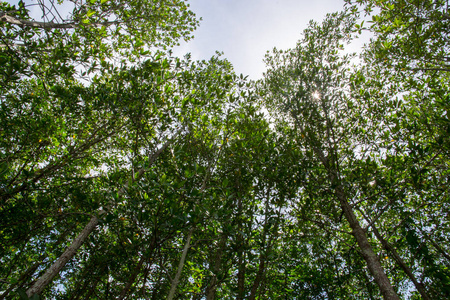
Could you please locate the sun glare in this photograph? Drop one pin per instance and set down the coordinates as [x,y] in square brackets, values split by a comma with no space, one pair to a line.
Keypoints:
[316,95]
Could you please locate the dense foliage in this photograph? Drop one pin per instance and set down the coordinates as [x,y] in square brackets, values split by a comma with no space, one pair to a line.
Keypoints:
[127,173]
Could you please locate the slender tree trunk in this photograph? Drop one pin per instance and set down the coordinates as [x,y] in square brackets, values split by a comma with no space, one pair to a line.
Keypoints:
[259,276]
[136,271]
[25,276]
[420,288]
[176,280]
[367,252]
[212,287]
[29,272]
[436,246]
[241,276]
[53,271]
[48,276]
[331,164]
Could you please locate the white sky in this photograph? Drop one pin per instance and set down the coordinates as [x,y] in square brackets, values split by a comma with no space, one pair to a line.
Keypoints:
[246,29]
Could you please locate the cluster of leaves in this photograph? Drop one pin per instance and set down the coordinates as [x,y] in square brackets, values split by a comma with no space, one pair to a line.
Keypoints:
[128,173]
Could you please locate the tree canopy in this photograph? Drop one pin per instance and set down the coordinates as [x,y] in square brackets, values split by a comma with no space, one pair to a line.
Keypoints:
[128,173]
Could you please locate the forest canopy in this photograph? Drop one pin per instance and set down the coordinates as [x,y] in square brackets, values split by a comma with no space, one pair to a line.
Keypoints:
[129,173]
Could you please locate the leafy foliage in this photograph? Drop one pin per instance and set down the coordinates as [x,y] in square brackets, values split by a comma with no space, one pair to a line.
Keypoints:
[319,181]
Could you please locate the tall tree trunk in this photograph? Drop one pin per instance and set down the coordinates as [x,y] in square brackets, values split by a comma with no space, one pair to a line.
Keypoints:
[420,288]
[176,280]
[48,276]
[241,275]
[29,272]
[212,286]
[259,276]
[331,164]
[25,276]
[136,271]
[53,271]
[367,252]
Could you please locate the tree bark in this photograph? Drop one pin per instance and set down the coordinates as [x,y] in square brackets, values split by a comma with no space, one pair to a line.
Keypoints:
[367,252]
[241,276]
[136,271]
[212,286]
[420,288]
[259,276]
[28,273]
[331,164]
[51,272]
[48,276]
[176,280]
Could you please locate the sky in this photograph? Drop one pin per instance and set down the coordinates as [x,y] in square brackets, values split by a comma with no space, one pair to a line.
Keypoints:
[246,29]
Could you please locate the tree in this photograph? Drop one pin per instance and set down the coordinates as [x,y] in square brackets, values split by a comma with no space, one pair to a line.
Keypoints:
[404,81]
[308,85]
[128,173]
[409,34]
[44,61]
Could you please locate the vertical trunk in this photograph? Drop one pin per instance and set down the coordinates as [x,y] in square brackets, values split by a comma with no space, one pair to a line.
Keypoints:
[420,288]
[259,276]
[241,276]
[373,263]
[53,271]
[93,287]
[48,276]
[367,252]
[136,271]
[176,280]
[212,287]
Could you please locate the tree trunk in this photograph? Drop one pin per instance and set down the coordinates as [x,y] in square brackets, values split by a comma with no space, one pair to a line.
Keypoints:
[241,276]
[331,164]
[212,287]
[367,252]
[53,271]
[25,276]
[176,280]
[259,276]
[48,276]
[136,271]
[420,288]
